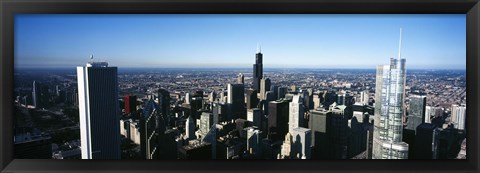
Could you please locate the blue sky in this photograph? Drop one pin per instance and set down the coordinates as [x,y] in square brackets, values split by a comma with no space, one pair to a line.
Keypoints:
[287,41]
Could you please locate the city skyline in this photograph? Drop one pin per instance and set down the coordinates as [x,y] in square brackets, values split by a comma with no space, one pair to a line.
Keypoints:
[228,41]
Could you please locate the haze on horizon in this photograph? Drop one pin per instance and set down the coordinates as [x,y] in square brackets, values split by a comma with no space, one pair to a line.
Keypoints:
[230,41]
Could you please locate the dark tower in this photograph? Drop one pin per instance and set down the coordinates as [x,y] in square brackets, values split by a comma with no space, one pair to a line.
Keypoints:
[164,104]
[258,69]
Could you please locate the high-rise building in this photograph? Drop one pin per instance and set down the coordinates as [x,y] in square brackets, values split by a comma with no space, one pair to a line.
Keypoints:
[424,141]
[389,110]
[164,104]
[364,97]
[252,99]
[416,113]
[357,136]
[432,112]
[258,69]
[282,91]
[458,116]
[274,88]
[99,111]
[286,150]
[241,79]
[152,128]
[212,96]
[327,98]
[255,116]
[190,128]
[301,142]
[264,103]
[337,130]
[40,95]
[318,124]
[222,111]
[264,87]
[316,101]
[130,103]
[308,99]
[341,98]
[206,122]
[296,113]
[236,97]
[278,119]
[253,140]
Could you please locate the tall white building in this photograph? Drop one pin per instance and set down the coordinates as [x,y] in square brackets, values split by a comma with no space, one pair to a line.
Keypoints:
[364,97]
[458,116]
[190,128]
[295,116]
[389,110]
[99,111]
[428,114]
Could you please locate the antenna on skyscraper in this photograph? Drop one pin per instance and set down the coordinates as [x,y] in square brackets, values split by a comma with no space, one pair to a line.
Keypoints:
[400,46]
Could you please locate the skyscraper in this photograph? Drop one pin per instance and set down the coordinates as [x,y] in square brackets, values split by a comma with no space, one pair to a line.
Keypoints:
[416,113]
[130,103]
[190,128]
[253,140]
[301,142]
[277,119]
[282,91]
[364,97]
[255,116]
[389,109]
[295,113]
[258,69]
[39,95]
[252,99]
[99,111]
[241,79]
[458,116]
[341,98]
[206,122]
[152,129]
[164,104]
[274,88]
[264,87]
[424,141]
[236,97]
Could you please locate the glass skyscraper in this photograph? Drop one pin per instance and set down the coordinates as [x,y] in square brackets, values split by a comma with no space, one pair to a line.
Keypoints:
[416,111]
[389,110]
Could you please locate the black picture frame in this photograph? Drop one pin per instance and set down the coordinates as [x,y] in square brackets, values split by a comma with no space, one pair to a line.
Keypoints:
[8,9]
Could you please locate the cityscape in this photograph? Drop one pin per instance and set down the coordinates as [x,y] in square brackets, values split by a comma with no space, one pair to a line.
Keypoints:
[102,111]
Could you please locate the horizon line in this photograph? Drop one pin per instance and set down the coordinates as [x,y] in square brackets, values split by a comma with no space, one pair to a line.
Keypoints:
[310,68]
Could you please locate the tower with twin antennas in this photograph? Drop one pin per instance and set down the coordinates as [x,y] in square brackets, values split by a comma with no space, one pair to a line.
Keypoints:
[258,69]
[389,109]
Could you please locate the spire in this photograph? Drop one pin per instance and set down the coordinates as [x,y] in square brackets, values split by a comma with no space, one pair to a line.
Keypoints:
[400,46]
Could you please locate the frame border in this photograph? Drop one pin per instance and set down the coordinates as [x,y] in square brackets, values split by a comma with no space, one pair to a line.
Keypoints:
[8,9]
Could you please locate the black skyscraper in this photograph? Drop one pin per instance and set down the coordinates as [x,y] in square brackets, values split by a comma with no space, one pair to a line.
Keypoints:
[278,119]
[424,141]
[257,70]
[164,103]
[252,99]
